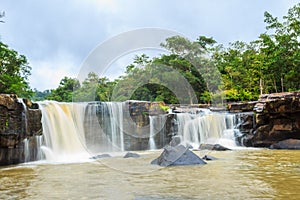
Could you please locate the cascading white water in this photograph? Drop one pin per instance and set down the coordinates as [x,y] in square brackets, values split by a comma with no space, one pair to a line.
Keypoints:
[207,127]
[157,131]
[63,131]
[26,150]
[32,148]
[72,131]
[152,133]
[115,110]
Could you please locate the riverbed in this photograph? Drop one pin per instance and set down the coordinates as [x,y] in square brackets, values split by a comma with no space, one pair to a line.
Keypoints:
[238,174]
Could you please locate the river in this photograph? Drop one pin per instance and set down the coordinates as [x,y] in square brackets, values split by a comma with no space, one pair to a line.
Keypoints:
[238,174]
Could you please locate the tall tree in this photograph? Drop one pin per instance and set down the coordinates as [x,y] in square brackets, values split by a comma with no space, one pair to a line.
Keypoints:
[14,72]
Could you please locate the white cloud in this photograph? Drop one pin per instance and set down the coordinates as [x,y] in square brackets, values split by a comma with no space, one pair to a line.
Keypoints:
[47,74]
[56,36]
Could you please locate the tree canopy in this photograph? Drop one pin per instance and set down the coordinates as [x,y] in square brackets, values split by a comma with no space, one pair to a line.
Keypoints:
[14,72]
[200,71]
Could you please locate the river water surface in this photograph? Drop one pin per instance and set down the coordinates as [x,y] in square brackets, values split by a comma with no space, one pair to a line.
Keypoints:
[239,174]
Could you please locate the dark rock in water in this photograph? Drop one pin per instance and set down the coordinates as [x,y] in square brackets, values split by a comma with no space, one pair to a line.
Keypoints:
[215,147]
[218,147]
[101,156]
[131,155]
[208,157]
[287,144]
[176,140]
[178,155]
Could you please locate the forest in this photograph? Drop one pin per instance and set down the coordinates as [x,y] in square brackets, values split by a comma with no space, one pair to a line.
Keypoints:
[205,71]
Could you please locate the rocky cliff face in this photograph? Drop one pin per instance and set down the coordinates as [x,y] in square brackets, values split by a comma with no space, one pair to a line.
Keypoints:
[20,123]
[276,117]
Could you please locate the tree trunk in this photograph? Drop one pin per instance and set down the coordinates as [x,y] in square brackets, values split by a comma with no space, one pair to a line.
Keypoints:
[281,80]
[261,86]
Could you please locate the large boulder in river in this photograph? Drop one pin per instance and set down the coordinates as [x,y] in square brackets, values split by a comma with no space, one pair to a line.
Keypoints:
[131,155]
[286,144]
[214,147]
[177,155]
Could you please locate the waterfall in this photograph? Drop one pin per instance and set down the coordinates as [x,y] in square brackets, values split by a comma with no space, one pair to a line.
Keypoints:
[63,131]
[24,117]
[32,148]
[152,133]
[157,132]
[73,131]
[208,127]
[31,144]
[115,111]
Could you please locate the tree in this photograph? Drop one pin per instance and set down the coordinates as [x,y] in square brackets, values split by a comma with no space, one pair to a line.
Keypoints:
[14,72]
[280,49]
[64,92]
[40,96]
[94,88]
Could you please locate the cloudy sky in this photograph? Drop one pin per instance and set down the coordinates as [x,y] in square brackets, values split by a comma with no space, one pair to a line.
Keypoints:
[57,36]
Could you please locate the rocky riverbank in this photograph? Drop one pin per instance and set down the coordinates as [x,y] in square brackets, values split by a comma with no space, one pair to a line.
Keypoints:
[20,122]
[274,118]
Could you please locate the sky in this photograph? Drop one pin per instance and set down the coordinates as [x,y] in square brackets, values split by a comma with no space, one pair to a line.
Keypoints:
[57,36]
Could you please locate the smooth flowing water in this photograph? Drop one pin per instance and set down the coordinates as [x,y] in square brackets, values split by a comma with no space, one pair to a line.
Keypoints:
[207,128]
[72,134]
[239,174]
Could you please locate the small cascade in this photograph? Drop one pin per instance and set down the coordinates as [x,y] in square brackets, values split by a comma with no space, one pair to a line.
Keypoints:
[157,131]
[152,144]
[96,139]
[31,144]
[115,111]
[26,150]
[103,125]
[32,148]
[207,127]
[24,117]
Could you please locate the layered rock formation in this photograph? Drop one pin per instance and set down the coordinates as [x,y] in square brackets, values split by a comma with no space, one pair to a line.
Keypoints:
[20,122]
[275,117]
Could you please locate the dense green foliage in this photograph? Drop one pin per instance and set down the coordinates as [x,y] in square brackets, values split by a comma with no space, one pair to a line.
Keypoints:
[200,71]
[14,72]
[204,71]
[269,64]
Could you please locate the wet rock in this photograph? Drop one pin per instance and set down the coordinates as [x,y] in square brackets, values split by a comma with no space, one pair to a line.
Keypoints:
[241,107]
[131,155]
[20,120]
[101,156]
[208,157]
[215,147]
[277,118]
[178,155]
[287,144]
